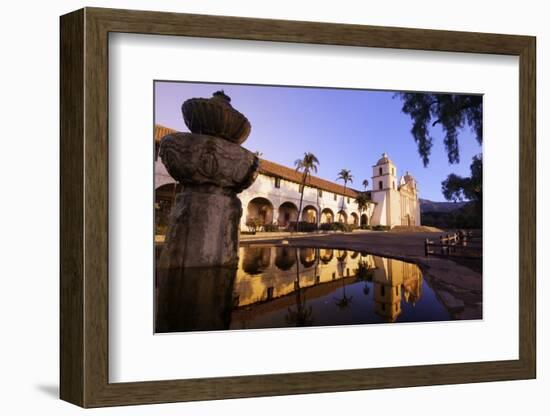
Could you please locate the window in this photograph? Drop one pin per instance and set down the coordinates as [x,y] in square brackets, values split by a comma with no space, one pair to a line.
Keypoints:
[380,185]
[393,171]
[393,184]
[348,199]
[380,171]
[270,292]
[335,197]
[320,192]
[277,182]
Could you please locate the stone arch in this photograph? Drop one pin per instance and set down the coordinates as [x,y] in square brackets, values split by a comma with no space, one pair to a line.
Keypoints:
[285,257]
[364,219]
[260,209]
[309,214]
[326,255]
[327,216]
[288,213]
[354,218]
[256,259]
[308,256]
[342,216]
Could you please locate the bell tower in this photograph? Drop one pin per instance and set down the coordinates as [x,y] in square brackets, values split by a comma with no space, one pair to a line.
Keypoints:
[385,191]
[384,174]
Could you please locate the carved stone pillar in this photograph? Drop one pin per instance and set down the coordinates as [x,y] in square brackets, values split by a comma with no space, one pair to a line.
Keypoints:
[213,168]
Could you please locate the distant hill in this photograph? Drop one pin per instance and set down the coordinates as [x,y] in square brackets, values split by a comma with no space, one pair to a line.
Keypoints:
[450,215]
[431,206]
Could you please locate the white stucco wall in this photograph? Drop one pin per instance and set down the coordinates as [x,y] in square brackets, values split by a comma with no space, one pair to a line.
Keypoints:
[387,207]
[264,187]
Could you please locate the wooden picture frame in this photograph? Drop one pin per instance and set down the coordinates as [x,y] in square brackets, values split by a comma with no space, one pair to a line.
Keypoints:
[84,207]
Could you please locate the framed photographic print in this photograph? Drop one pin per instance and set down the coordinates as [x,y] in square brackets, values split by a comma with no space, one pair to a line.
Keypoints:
[255,207]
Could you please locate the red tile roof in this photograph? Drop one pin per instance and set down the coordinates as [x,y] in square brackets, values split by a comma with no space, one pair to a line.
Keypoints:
[274,169]
[161,131]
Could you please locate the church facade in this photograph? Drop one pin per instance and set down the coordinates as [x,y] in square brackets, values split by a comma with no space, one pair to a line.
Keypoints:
[396,199]
[274,198]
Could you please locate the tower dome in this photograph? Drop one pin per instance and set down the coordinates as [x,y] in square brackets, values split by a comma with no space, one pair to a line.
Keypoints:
[384,159]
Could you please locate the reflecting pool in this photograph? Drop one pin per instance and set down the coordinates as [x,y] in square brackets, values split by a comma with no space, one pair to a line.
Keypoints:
[282,286]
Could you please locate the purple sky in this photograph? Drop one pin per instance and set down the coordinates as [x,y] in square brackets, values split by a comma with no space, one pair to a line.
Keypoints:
[344,128]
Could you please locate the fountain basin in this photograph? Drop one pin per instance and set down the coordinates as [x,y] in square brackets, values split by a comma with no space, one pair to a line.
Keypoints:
[216,117]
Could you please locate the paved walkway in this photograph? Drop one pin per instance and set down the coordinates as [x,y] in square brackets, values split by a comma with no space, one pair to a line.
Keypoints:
[458,287]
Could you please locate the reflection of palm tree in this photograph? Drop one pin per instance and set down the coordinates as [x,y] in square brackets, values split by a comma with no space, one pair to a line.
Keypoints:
[344,302]
[302,316]
[308,163]
[364,273]
[341,255]
[346,176]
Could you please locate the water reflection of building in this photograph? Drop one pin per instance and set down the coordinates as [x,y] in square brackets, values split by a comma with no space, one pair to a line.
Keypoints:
[268,272]
[390,279]
[285,286]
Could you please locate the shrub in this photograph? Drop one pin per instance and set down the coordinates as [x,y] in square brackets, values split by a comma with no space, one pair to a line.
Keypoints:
[366,227]
[304,226]
[337,226]
[253,224]
[380,227]
[271,227]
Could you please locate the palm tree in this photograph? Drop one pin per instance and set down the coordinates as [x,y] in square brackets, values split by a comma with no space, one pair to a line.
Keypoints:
[307,164]
[346,176]
[365,183]
[362,201]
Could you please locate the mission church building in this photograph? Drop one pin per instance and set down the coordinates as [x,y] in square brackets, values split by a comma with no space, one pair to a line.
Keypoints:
[274,197]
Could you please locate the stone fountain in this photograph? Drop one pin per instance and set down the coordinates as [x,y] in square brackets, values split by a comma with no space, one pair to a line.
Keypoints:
[212,168]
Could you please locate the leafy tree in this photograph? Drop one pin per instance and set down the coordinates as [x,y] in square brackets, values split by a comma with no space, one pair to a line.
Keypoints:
[458,188]
[362,201]
[452,111]
[346,176]
[307,164]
